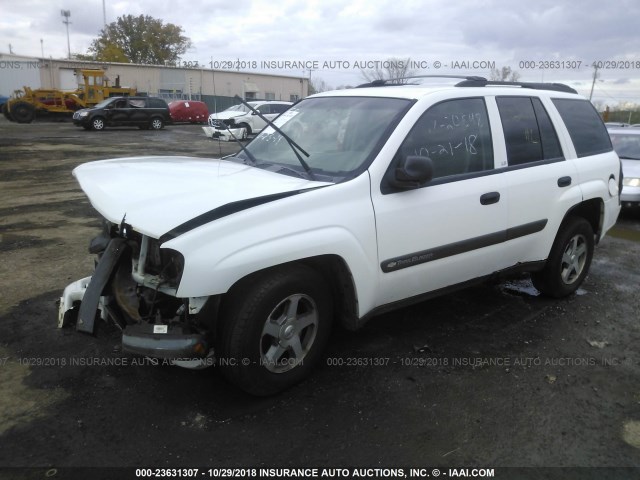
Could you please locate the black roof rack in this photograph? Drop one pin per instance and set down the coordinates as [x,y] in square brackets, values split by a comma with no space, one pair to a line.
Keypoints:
[406,80]
[471,81]
[483,82]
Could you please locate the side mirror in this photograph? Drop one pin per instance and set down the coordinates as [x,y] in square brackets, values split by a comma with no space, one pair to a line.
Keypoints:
[413,172]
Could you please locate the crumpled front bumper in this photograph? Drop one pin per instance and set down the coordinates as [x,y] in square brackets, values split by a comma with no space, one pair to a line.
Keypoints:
[166,341]
[224,134]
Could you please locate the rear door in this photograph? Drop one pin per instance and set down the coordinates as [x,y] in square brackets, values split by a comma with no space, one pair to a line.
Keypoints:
[541,184]
[139,111]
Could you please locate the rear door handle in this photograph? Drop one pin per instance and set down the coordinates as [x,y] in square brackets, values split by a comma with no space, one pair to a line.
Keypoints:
[489,198]
[564,181]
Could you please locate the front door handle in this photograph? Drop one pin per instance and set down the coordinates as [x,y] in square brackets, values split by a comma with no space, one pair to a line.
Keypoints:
[489,198]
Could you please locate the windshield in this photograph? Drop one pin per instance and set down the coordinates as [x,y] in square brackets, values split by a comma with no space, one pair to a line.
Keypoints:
[626,145]
[340,134]
[104,103]
[238,108]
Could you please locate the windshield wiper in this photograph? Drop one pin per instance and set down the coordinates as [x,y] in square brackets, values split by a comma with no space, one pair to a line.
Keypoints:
[624,157]
[253,159]
[276,167]
[294,146]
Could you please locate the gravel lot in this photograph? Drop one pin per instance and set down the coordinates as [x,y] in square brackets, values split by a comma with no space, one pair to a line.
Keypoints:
[493,376]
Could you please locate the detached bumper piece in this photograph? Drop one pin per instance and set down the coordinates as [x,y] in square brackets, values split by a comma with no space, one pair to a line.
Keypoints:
[164,341]
[101,276]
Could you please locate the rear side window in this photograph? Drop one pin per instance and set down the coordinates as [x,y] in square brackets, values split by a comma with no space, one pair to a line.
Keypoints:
[158,103]
[528,131]
[137,102]
[456,135]
[588,133]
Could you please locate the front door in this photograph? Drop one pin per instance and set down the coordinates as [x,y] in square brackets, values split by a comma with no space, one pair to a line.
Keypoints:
[452,229]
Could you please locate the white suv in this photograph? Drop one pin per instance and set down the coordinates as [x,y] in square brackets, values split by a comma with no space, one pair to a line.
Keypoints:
[241,116]
[355,202]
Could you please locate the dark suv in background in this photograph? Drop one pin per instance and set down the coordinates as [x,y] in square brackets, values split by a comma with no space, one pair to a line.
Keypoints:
[141,112]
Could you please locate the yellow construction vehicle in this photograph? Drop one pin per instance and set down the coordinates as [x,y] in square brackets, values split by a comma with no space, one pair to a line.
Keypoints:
[24,105]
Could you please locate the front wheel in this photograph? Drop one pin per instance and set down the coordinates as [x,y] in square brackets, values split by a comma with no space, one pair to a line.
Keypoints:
[246,132]
[23,112]
[274,328]
[157,123]
[569,260]
[97,123]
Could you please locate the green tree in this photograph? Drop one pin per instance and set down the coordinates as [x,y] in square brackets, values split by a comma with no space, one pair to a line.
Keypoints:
[141,39]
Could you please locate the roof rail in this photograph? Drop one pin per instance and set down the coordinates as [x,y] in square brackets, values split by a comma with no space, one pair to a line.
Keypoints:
[470,81]
[406,80]
[478,82]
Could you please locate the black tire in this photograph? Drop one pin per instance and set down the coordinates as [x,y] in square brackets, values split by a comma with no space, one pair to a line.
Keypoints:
[5,112]
[98,123]
[156,123]
[569,261]
[247,130]
[22,112]
[274,328]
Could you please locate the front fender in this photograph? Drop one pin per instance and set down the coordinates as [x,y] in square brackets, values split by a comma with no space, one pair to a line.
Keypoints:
[335,220]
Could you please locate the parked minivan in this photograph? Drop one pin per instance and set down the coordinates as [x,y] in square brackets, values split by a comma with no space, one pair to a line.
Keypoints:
[141,112]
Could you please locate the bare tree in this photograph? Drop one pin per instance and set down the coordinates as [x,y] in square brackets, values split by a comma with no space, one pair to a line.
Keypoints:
[504,74]
[318,85]
[393,69]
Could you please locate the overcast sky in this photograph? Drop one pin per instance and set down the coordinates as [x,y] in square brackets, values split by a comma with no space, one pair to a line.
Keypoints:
[505,32]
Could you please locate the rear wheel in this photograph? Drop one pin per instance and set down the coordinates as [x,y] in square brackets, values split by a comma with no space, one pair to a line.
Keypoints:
[97,123]
[569,260]
[23,112]
[274,328]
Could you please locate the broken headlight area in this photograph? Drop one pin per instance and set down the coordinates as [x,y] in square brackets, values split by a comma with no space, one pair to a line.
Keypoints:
[134,286]
[222,124]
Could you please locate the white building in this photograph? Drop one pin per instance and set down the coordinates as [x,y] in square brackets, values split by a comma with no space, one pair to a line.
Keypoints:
[216,87]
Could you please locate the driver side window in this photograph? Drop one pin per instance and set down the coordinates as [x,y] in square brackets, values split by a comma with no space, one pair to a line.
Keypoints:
[455,135]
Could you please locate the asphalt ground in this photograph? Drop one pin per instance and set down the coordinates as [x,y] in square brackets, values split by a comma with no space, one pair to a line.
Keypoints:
[492,376]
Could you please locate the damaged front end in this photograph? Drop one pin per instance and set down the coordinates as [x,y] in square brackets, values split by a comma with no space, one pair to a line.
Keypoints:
[134,286]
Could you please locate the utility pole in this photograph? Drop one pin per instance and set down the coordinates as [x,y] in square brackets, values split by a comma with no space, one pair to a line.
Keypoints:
[104,13]
[66,14]
[595,75]
[309,84]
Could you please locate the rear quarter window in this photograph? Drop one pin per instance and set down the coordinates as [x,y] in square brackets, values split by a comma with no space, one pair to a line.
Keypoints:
[157,103]
[588,133]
